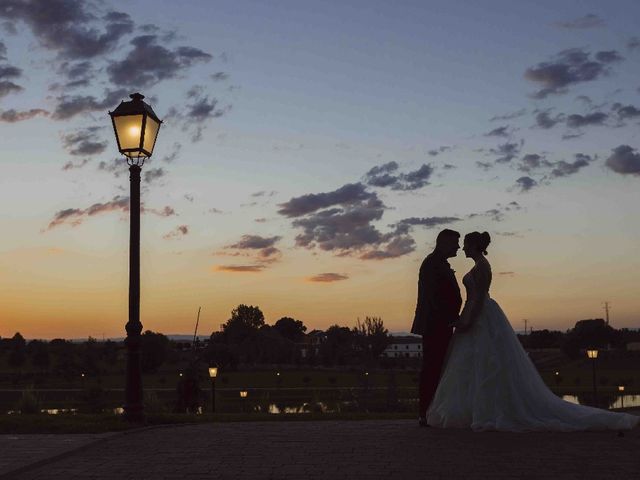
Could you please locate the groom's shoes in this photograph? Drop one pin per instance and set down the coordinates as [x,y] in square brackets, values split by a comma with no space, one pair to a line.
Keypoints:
[422,422]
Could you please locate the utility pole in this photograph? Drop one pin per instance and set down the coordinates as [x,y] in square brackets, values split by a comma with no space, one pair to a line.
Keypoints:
[606,310]
[525,326]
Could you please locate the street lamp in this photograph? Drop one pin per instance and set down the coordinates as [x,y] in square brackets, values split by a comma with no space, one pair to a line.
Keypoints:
[213,373]
[621,390]
[593,355]
[136,128]
[243,396]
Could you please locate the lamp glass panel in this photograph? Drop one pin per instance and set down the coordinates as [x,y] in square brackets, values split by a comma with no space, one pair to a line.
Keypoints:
[129,129]
[150,134]
[213,372]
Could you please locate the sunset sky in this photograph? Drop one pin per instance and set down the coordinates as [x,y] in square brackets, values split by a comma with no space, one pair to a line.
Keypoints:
[310,154]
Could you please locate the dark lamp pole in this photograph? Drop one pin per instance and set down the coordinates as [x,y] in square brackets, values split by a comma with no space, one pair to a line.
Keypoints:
[136,128]
[213,373]
[593,355]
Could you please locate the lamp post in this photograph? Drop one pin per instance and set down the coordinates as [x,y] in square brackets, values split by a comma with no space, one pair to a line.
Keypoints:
[136,128]
[213,373]
[593,355]
[243,396]
[621,390]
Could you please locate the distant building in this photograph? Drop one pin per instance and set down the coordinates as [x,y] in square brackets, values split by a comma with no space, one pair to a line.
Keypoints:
[310,345]
[633,346]
[404,347]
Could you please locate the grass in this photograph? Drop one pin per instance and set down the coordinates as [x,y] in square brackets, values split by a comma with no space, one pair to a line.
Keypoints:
[103,423]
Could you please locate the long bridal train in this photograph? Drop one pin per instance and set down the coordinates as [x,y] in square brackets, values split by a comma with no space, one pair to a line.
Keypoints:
[489,383]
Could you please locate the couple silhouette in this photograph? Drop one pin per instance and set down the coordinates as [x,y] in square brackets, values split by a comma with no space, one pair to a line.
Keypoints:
[475,373]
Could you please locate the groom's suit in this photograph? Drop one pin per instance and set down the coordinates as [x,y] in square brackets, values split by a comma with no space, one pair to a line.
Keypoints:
[438,305]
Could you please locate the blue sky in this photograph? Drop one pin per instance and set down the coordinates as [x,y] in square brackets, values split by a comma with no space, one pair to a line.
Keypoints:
[269,104]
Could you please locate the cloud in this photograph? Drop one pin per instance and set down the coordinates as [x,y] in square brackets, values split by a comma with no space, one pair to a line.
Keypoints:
[215,210]
[219,76]
[564,169]
[13,116]
[544,120]
[179,231]
[439,150]
[3,51]
[69,106]
[498,132]
[626,112]
[153,174]
[75,216]
[76,165]
[587,21]
[577,121]
[78,74]
[84,142]
[117,166]
[405,225]
[167,211]
[484,165]
[341,221]
[569,67]
[261,248]
[327,278]
[381,175]
[633,43]
[240,268]
[349,194]
[397,247]
[497,214]
[569,136]
[525,183]
[176,148]
[7,86]
[507,274]
[531,161]
[509,116]
[385,176]
[67,27]
[264,193]
[149,63]
[254,242]
[507,151]
[201,109]
[624,160]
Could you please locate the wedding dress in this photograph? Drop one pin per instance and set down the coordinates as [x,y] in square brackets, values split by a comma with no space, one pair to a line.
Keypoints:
[489,382]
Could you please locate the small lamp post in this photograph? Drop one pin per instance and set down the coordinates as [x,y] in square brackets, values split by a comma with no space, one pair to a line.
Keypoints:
[557,377]
[136,128]
[243,396]
[213,373]
[593,355]
[621,390]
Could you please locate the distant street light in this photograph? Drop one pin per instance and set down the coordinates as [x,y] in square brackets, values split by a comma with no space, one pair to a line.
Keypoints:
[213,373]
[243,396]
[136,128]
[621,390]
[593,355]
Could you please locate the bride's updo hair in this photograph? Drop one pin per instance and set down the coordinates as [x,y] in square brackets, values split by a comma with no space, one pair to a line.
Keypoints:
[479,240]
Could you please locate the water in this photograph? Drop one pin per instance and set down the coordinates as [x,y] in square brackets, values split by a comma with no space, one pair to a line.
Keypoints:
[304,400]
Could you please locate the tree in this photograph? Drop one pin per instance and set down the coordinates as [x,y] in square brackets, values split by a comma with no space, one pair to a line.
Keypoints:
[245,321]
[372,337]
[337,349]
[154,349]
[290,329]
[39,352]
[17,351]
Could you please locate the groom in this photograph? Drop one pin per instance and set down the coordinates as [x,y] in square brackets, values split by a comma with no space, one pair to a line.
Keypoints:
[438,305]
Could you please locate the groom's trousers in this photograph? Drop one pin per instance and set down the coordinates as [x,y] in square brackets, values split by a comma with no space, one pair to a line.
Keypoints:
[434,350]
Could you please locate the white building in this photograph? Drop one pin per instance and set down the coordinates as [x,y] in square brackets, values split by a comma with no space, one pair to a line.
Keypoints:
[407,347]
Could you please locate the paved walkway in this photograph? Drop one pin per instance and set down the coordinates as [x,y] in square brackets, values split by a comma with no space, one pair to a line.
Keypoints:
[333,449]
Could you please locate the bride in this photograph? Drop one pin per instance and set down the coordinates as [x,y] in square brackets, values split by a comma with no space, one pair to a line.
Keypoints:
[489,383]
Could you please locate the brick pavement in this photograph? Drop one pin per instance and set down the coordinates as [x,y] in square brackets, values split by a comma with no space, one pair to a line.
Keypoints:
[346,449]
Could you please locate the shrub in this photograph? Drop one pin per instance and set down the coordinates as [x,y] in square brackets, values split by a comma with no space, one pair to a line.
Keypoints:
[29,403]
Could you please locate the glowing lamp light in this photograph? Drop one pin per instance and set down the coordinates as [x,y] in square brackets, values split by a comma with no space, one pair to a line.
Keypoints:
[213,372]
[557,373]
[243,393]
[136,126]
[593,354]
[621,388]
